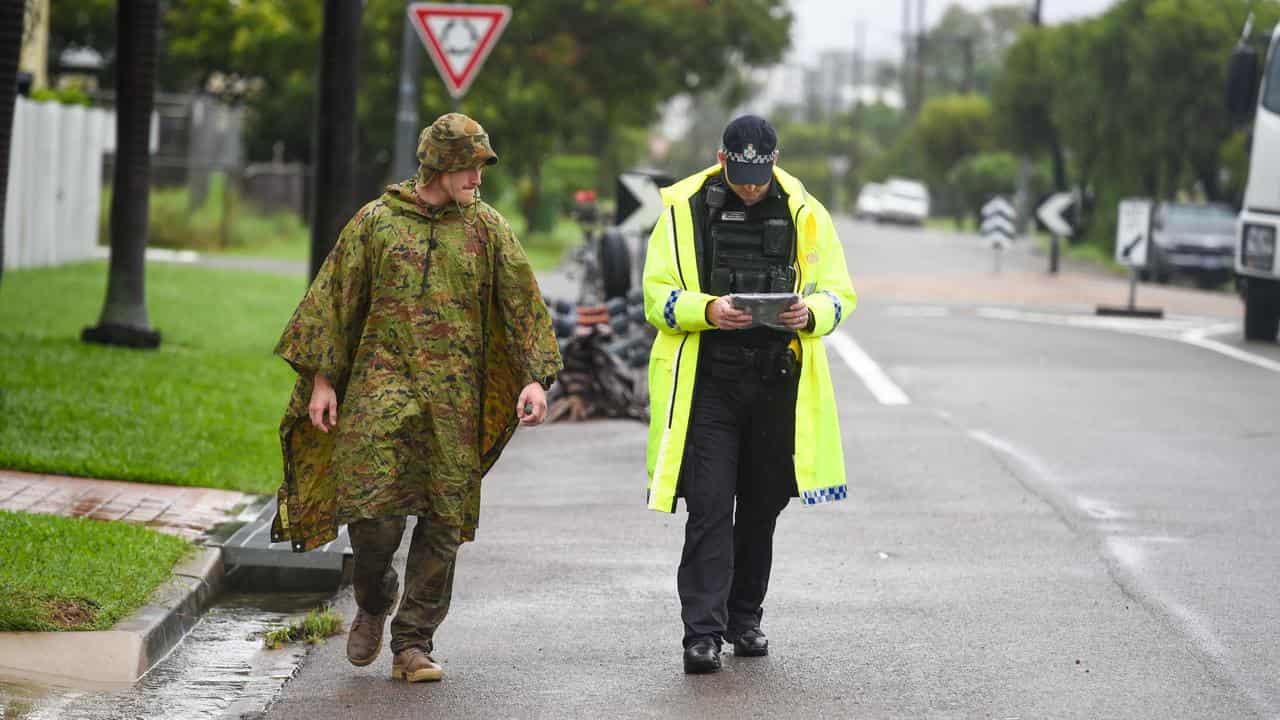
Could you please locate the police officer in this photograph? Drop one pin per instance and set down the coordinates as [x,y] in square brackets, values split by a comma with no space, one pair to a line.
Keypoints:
[741,405]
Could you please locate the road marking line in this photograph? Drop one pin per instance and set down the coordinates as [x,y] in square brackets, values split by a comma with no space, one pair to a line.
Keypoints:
[918,311]
[1172,323]
[885,390]
[1199,338]
[1188,330]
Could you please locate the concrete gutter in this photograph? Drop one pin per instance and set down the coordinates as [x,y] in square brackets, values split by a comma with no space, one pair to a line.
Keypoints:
[123,654]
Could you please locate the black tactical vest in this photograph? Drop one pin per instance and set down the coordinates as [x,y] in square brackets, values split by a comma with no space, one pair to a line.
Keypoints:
[745,249]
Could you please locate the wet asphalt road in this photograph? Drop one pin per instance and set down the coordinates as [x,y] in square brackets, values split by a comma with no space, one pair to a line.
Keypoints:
[1066,521]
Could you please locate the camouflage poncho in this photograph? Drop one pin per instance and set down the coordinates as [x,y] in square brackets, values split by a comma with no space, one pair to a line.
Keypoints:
[428,322]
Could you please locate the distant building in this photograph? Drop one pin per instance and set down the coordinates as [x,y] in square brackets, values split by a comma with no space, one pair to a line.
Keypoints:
[833,85]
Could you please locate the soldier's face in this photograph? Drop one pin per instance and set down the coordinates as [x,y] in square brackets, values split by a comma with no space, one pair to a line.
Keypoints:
[462,185]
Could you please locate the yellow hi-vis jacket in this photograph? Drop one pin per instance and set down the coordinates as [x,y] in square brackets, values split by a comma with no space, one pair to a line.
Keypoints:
[675,304]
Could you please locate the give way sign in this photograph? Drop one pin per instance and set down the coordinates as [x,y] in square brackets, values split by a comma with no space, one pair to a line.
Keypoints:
[458,38]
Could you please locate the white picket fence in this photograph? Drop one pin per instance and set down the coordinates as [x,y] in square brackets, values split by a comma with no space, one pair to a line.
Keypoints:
[55,182]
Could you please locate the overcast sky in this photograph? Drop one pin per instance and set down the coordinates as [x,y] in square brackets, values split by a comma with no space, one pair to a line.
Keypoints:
[827,24]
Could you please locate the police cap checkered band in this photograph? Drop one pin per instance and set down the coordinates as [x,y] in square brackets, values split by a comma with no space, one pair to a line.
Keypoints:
[750,147]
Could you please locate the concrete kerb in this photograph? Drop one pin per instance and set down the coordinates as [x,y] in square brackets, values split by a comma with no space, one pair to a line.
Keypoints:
[121,655]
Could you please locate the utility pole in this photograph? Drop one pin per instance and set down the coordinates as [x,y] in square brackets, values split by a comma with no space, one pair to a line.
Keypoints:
[922,26]
[966,46]
[1022,198]
[334,149]
[403,161]
[906,54]
[860,55]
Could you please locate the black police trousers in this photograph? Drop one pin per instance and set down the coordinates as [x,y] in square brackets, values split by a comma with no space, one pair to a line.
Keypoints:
[740,443]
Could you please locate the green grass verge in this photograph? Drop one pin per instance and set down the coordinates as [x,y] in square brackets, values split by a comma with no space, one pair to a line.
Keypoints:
[319,624]
[544,248]
[948,224]
[202,410]
[61,573]
[1086,253]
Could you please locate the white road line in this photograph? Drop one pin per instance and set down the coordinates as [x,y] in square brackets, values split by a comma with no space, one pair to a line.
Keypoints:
[1191,331]
[1199,338]
[885,390]
[918,311]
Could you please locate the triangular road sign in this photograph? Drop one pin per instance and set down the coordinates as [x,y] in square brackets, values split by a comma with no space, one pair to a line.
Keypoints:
[458,38]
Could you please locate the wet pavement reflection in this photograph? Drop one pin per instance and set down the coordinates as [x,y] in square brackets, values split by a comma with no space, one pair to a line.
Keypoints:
[220,670]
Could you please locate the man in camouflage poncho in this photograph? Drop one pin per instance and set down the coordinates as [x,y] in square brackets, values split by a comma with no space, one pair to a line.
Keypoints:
[426,326]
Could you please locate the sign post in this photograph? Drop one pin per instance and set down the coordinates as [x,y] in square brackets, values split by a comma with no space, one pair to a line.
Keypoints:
[1050,214]
[1133,236]
[458,38]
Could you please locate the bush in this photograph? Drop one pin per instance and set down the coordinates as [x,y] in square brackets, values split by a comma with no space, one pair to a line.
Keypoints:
[978,178]
[66,96]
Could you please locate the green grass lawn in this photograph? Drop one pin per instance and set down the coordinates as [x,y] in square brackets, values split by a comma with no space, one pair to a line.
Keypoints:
[202,410]
[73,574]
[544,248]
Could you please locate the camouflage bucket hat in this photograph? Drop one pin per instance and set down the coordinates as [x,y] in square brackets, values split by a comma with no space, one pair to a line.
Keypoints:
[453,142]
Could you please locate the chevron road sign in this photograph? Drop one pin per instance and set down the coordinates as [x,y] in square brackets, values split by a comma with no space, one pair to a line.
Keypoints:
[1051,213]
[998,217]
[639,203]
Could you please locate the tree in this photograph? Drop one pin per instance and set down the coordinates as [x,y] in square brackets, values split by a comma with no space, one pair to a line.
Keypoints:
[124,314]
[566,75]
[980,177]
[950,129]
[1022,97]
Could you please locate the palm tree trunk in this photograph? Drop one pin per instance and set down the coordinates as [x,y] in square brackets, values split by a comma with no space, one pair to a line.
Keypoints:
[10,45]
[334,148]
[124,314]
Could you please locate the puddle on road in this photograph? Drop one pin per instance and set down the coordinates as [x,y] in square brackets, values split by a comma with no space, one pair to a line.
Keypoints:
[220,670]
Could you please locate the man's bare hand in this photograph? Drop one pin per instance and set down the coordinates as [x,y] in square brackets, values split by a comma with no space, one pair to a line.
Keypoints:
[796,317]
[533,399]
[725,316]
[323,407]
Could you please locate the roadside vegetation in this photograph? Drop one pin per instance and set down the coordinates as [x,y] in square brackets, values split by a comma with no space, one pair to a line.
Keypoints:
[319,624]
[222,223]
[61,573]
[202,410]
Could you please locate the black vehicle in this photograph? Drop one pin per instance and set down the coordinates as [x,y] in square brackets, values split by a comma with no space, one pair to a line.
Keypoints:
[1194,240]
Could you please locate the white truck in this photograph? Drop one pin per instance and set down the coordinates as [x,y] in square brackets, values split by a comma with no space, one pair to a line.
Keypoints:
[1250,91]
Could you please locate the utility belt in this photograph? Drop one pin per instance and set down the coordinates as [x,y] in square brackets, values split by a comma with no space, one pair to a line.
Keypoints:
[768,364]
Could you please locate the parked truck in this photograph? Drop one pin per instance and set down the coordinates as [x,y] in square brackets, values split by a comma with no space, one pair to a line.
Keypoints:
[1254,88]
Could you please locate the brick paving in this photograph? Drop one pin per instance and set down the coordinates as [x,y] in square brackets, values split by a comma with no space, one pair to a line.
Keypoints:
[184,511]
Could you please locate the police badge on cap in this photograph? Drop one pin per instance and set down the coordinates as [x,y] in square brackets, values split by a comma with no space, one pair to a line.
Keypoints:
[750,148]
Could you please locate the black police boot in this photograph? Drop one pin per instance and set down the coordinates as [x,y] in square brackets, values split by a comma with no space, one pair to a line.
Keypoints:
[749,643]
[702,656]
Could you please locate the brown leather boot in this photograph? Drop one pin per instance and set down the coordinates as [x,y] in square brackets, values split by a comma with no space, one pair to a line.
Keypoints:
[414,665]
[364,639]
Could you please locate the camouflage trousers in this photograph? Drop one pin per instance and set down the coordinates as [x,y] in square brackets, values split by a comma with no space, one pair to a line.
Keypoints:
[428,576]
